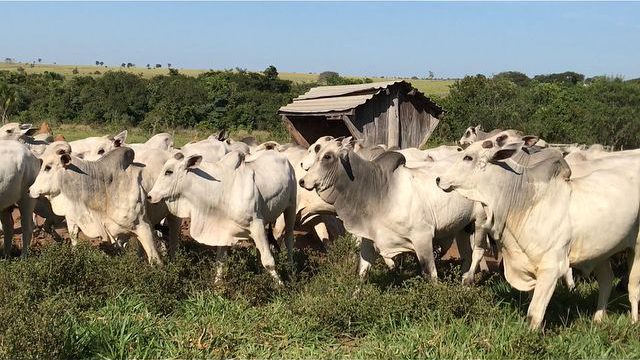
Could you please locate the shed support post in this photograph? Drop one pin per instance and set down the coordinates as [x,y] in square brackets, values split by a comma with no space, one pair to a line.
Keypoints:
[393,135]
[297,137]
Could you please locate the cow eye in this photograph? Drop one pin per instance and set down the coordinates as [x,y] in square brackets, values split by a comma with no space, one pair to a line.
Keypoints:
[101,151]
[168,172]
[47,168]
[9,131]
[327,157]
[467,158]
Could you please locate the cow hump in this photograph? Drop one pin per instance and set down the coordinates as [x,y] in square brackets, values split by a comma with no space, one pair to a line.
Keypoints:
[390,161]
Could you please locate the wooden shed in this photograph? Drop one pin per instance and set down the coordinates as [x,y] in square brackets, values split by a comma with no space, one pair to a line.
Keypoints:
[392,113]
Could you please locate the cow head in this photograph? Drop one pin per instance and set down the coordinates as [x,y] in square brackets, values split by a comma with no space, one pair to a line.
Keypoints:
[331,164]
[470,135]
[182,177]
[14,131]
[167,185]
[55,161]
[470,169]
[310,158]
[269,145]
[94,148]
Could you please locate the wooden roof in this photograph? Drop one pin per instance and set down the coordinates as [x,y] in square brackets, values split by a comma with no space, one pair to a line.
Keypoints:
[327,99]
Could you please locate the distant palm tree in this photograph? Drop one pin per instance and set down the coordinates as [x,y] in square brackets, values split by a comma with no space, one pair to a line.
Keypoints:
[39,60]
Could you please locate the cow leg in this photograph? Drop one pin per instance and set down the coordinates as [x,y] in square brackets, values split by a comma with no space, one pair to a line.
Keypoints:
[568,279]
[547,278]
[26,206]
[289,224]
[49,228]
[478,248]
[604,275]
[145,237]
[367,257]
[221,256]
[278,227]
[262,244]
[174,224]
[6,218]
[73,230]
[423,246]
[634,283]
[321,231]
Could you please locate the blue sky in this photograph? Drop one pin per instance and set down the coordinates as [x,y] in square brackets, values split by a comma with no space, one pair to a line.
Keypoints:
[370,39]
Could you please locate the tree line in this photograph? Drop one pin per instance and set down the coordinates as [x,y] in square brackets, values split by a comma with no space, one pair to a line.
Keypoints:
[564,107]
[230,99]
[560,108]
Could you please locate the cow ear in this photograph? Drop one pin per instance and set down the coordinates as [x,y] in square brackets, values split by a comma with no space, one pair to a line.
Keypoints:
[24,128]
[502,140]
[348,143]
[65,159]
[530,140]
[232,160]
[222,135]
[193,161]
[120,139]
[506,152]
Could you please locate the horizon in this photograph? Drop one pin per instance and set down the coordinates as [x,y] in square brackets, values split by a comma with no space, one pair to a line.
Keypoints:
[354,39]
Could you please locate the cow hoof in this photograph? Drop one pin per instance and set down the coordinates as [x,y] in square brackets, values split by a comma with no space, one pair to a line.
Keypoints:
[468,280]
[599,316]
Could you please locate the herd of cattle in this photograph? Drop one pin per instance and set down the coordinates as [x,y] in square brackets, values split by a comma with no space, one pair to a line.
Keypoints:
[549,208]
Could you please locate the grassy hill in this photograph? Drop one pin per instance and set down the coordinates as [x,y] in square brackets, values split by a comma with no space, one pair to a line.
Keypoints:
[429,87]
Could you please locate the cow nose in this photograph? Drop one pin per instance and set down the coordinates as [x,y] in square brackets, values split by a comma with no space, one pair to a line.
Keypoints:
[149,197]
[301,182]
[438,180]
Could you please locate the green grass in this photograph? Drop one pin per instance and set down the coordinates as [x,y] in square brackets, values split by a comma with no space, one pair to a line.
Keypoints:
[82,303]
[429,87]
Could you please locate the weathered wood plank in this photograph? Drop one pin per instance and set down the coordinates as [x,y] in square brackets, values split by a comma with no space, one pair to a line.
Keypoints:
[352,128]
[393,134]
[297,137]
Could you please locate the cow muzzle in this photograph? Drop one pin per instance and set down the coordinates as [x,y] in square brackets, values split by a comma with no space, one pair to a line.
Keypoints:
[308,185]
[446,187]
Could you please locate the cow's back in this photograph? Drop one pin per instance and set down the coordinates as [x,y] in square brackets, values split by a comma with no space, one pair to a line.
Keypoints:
[276,183]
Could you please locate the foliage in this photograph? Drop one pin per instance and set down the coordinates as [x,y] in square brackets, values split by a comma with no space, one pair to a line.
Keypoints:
[215,99]
[333,78]
[605,111]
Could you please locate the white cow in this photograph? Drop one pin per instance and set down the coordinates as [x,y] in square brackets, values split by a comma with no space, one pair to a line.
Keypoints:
[546,221]
[211,149]
[230,200]
[393,209]
[308,202]
[104,198]
[18,170]
[93,148]
[162,141]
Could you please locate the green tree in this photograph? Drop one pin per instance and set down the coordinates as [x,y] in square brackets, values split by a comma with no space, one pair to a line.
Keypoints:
[271,72]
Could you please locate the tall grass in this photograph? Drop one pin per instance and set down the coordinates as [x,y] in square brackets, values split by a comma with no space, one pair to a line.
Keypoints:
[66,302]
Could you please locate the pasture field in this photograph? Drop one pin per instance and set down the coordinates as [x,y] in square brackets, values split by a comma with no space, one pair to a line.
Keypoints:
[438,88]
[85,302]
[136,135]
